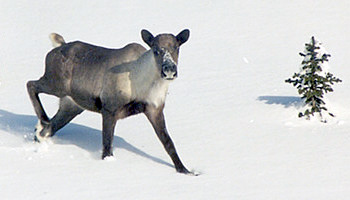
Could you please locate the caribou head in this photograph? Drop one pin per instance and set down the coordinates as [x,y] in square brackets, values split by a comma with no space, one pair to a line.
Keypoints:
[165,48]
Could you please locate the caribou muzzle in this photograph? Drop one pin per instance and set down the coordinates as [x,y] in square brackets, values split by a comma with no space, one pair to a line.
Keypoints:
[169,71]
[169,67]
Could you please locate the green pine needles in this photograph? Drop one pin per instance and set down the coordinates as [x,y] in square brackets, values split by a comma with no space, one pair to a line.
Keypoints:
[313,80]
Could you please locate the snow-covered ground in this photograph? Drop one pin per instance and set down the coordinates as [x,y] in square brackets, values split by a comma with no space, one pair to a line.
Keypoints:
[230,113]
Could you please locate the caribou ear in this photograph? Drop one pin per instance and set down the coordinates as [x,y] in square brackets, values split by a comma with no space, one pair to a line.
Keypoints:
[183,36]
[147,37]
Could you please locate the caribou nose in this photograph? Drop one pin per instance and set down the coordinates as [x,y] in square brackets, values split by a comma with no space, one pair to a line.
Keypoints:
[169,75]
[169,72]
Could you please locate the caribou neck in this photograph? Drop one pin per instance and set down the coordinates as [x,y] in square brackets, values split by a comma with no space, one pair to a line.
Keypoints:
[149,86]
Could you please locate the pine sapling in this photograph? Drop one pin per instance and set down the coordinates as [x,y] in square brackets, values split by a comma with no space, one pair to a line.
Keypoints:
[313,80]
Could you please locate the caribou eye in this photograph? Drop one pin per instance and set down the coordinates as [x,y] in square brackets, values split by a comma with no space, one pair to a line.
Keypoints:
[156,51]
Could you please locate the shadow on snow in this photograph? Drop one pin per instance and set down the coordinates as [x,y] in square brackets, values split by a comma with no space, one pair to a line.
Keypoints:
[286,101]
[82,136]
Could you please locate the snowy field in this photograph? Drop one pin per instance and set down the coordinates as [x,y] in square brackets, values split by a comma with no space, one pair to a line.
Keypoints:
[230,114]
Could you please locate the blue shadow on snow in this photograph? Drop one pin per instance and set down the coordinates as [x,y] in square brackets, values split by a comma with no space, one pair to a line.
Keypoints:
[286,101]
[82,136]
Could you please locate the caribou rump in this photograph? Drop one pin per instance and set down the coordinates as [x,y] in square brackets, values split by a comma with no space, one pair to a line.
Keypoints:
[114,82]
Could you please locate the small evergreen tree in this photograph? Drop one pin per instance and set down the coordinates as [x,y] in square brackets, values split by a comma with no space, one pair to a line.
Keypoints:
[313,80]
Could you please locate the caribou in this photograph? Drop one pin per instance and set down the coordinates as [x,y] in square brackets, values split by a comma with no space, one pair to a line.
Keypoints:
[116,83]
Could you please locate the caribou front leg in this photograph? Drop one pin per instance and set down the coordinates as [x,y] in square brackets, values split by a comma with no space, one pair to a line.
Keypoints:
[108,122]
[156,117]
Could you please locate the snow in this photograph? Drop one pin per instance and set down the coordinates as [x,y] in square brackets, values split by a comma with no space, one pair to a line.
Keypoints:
[230,114]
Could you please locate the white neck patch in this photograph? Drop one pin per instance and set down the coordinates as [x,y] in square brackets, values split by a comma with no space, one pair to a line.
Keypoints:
[157,92]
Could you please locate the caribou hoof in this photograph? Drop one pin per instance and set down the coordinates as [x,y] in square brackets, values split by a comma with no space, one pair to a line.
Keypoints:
[183,170]
[42,131]
[107,155]
[194,173]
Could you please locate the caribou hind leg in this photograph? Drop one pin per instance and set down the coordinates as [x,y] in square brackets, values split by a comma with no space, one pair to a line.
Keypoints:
[43,128]
[67,111]
[34,88]
[156,117]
